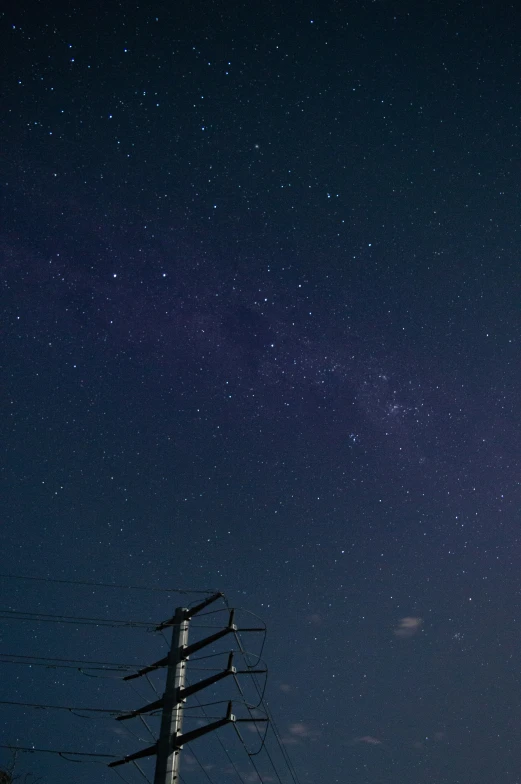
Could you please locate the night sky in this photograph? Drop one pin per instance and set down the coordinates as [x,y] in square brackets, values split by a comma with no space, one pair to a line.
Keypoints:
[260,267]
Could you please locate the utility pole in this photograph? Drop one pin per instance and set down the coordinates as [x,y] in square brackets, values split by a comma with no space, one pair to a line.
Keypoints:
[171,738]
[167,765]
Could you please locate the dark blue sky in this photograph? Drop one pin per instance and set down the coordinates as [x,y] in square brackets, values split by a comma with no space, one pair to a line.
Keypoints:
[260,270]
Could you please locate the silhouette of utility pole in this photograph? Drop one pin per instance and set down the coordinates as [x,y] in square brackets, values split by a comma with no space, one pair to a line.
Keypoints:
[171,738]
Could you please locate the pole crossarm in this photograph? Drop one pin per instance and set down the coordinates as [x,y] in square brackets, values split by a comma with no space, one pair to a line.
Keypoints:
[186,650]
[196,646]
[137,755]
[145,709]
[255,721]
[178,741]
[145,670]
[182,694]
[190,612]
[189,690]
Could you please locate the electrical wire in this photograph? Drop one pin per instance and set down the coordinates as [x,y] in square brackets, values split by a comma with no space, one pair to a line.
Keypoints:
[50,665]
[282,748]
[255,768]
[78,620]
[226,653]
[152,686]
[213,612]
[261,694]
[110,666]
[205,626]
[134,734]
[72,661]
[283,751]
[255,707]
[263,745]
[146,700]
[109,711]
[82,670]
[60,752]
[196,758]
[264,705]
[265,631]
[108,585]
[141,771]
[232,763]
[163,635]
[120,775]
[142,718]
[205,704]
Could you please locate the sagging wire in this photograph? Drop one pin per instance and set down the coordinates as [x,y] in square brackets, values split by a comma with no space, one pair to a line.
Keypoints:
[255,768]
[110,585]
[254,707]
[263,643]
[51,666]
[74,619]
[103,677]
[283,751]
[77,661]
[59,752]
[274,727]
[232,763]
[110,711]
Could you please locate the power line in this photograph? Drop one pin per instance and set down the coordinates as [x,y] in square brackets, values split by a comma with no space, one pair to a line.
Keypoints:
[201,766]
[255,768]
[255,707]
[73,661]
[152,686]
[53,664]
[82,664]
[263,739]
[143,774]
[120,775]
[283,750]
[108,585]
[264,704]
[112,711]
[75,619]
[60,752]
[232,763]
[143,721]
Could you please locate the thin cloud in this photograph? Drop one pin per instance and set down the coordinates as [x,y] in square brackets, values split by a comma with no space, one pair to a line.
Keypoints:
[298,731]
[369,740]
[408,627]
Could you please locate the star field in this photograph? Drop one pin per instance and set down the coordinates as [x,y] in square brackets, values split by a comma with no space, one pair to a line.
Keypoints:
[261,335]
